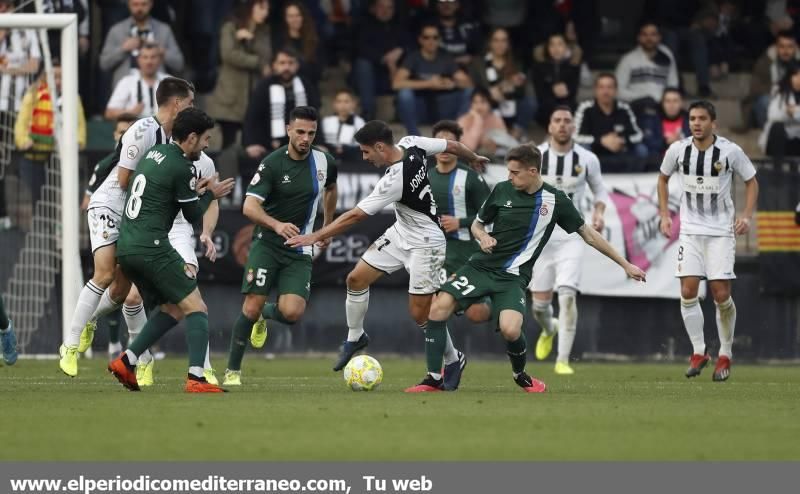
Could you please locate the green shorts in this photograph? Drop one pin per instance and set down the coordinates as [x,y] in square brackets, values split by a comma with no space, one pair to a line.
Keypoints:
[161,277]
[457,254]
[268,266]
[470,285]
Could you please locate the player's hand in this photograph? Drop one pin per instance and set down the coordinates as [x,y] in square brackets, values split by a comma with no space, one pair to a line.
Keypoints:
[287,231]
[211,249]
[634,272]
[449,223]
[323,244]
[741,226]
[300,241]
[479,163]
[666,226]
[598,222]
[487,243]
[221,189]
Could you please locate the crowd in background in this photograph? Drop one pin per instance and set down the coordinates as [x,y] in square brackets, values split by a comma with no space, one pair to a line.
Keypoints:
[497,67]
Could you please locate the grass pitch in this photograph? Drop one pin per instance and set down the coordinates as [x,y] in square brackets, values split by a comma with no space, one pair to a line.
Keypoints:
[298,409]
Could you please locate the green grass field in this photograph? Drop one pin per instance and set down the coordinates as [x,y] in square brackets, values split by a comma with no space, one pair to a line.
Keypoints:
[298,409]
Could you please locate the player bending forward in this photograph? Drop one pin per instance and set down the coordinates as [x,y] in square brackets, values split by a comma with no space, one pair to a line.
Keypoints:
[523,211]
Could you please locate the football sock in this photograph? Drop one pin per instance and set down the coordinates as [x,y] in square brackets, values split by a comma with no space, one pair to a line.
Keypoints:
[516,351]
[197,339]
[450,352]
[156,327]
[693,321]
[106,306]
[726,324]
[239,337]
[113,328]
[87,303]
[3,316]
[207,363]
[543,314]
[271,312]
[356,309]
[135,319]
[567,322]
[145,358]
[435,342]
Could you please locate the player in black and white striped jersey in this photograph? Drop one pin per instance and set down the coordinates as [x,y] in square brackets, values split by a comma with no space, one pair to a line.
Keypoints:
[569,168]
[706,164]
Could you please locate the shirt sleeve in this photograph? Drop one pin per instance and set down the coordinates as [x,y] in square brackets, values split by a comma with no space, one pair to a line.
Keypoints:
[261,185]
[488,210]
[137,139]
[429,144]
[389,189]
[567,215]
[742,165]
[670,163]
[333,171]
[477,192]
[595,180]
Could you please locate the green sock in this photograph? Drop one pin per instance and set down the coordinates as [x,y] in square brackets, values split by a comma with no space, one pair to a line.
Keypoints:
[271,312]
[3,316]
[516,351]
[113,326]
[156,327]
[197,338]
[435,342]
[241,333]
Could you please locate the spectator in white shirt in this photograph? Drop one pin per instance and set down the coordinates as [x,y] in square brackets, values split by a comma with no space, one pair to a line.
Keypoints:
[136,92]
[339,129]
[645,71]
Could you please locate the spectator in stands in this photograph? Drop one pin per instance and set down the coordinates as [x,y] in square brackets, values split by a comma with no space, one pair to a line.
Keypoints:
[34,131]
[484,128]
[338,130]
[380,44]
[500,73]
[337,30]
[429,84]
[556,72]
[608,127]
[299,32]
[125,39]
[674,122]
[136,92]
[645,71]
[246,51]
[20,58]
[781,135]
[460,38]
[267,115]
[767,73]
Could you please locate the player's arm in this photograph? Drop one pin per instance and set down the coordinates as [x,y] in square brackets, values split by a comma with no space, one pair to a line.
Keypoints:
[486,241]
[596,240]
[135,142]
[476,161]
[745,169]
[210,219]
[668,167]
[340,225]
[254,212]
[595,180]
[433,145]
[329,198]
[194,197]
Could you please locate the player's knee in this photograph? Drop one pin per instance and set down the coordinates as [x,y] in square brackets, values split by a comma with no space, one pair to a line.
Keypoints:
[131,298]
[356,282]
[103,277]
[510,332]
[688,292]
[720,293]
[478,313]
[252,308]
[293,314]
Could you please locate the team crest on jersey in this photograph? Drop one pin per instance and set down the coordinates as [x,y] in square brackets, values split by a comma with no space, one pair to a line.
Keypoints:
[543,210]
[105,235]
[250,275]
[718,165]
[193,183]
[132,152]
[457,190]
[187,270]
[256,178]
[578,169]
[320,176]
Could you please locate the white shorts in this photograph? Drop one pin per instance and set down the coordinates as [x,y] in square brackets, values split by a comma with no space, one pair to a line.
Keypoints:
[184,244]
[103,227]
[706,256]
[558,265]
[388,254]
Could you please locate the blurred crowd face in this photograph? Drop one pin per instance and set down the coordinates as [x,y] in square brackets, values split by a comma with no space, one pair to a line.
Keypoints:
[786,49]
[480,105]
[796,80]
[649,37]
[672,104]
[140,9]
[429,39]
[149,60]
[605,90]
[557,47]
[6,6]
[285,66]
[383,10]
[294,18]
[260,12]
[561,127]
[344,104]
[447,8]
[499,43]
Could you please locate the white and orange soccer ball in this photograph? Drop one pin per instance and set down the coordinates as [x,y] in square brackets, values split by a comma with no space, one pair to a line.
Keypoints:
[363,373]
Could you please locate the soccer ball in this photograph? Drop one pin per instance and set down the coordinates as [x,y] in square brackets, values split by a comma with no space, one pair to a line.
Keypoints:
[363,373]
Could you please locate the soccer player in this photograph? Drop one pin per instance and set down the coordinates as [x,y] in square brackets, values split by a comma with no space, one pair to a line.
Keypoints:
[569,168]
[282,201]
[707,244]
[414,242]
[523,210]
[104,214]
[164,184]
[8,339]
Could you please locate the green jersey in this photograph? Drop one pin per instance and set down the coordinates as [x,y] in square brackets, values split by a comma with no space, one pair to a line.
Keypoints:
[522,224]
[102,170]
[290,191]
[164,183]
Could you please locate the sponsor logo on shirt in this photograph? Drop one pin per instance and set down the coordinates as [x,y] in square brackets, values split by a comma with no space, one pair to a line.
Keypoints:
[507,204]
[256,178]
[286,179]
[132,152]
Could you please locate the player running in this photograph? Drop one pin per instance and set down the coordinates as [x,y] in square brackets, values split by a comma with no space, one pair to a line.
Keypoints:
[569,168]
[523,212]
[707,243]
[282,201]
[164,184]
[414,242]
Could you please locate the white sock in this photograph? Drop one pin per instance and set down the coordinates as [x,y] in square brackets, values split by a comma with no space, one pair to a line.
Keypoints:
[207,364]
[435,375]
[567,322]
[132,358]
[135,319]
[106,306]
[146,357]
[726,324]
[543,314]
[87,303]
[693,321]
[114,347]
[450,352]
[196,371]
[356,310]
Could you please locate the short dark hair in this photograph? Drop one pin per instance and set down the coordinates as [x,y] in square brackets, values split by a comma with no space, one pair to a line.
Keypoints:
[344,90]
[172,87]
[645,23]
[705,105]
[428,25]
[606,75]
[373,132]
[785,33]
[148,46]
[447,126]
[304,113]
[528,155]
[565,108]
[127,118]
[191,120]
[286,50]
[485,93]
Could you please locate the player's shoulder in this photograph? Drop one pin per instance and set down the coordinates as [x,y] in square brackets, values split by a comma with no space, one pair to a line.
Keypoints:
[319,153]
[585,154]
[408,141]
[544,146]
[276,157]
[680,146]
[727,145]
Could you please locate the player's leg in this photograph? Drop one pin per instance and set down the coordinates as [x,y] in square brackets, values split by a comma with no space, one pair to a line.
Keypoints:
[196,315]
[294,288]
[242,327]
[541,287]
[721,259]
[479,312]
[510,303]
[8,339]
[442,307]
[691,269]
[114,344]
[568,275]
